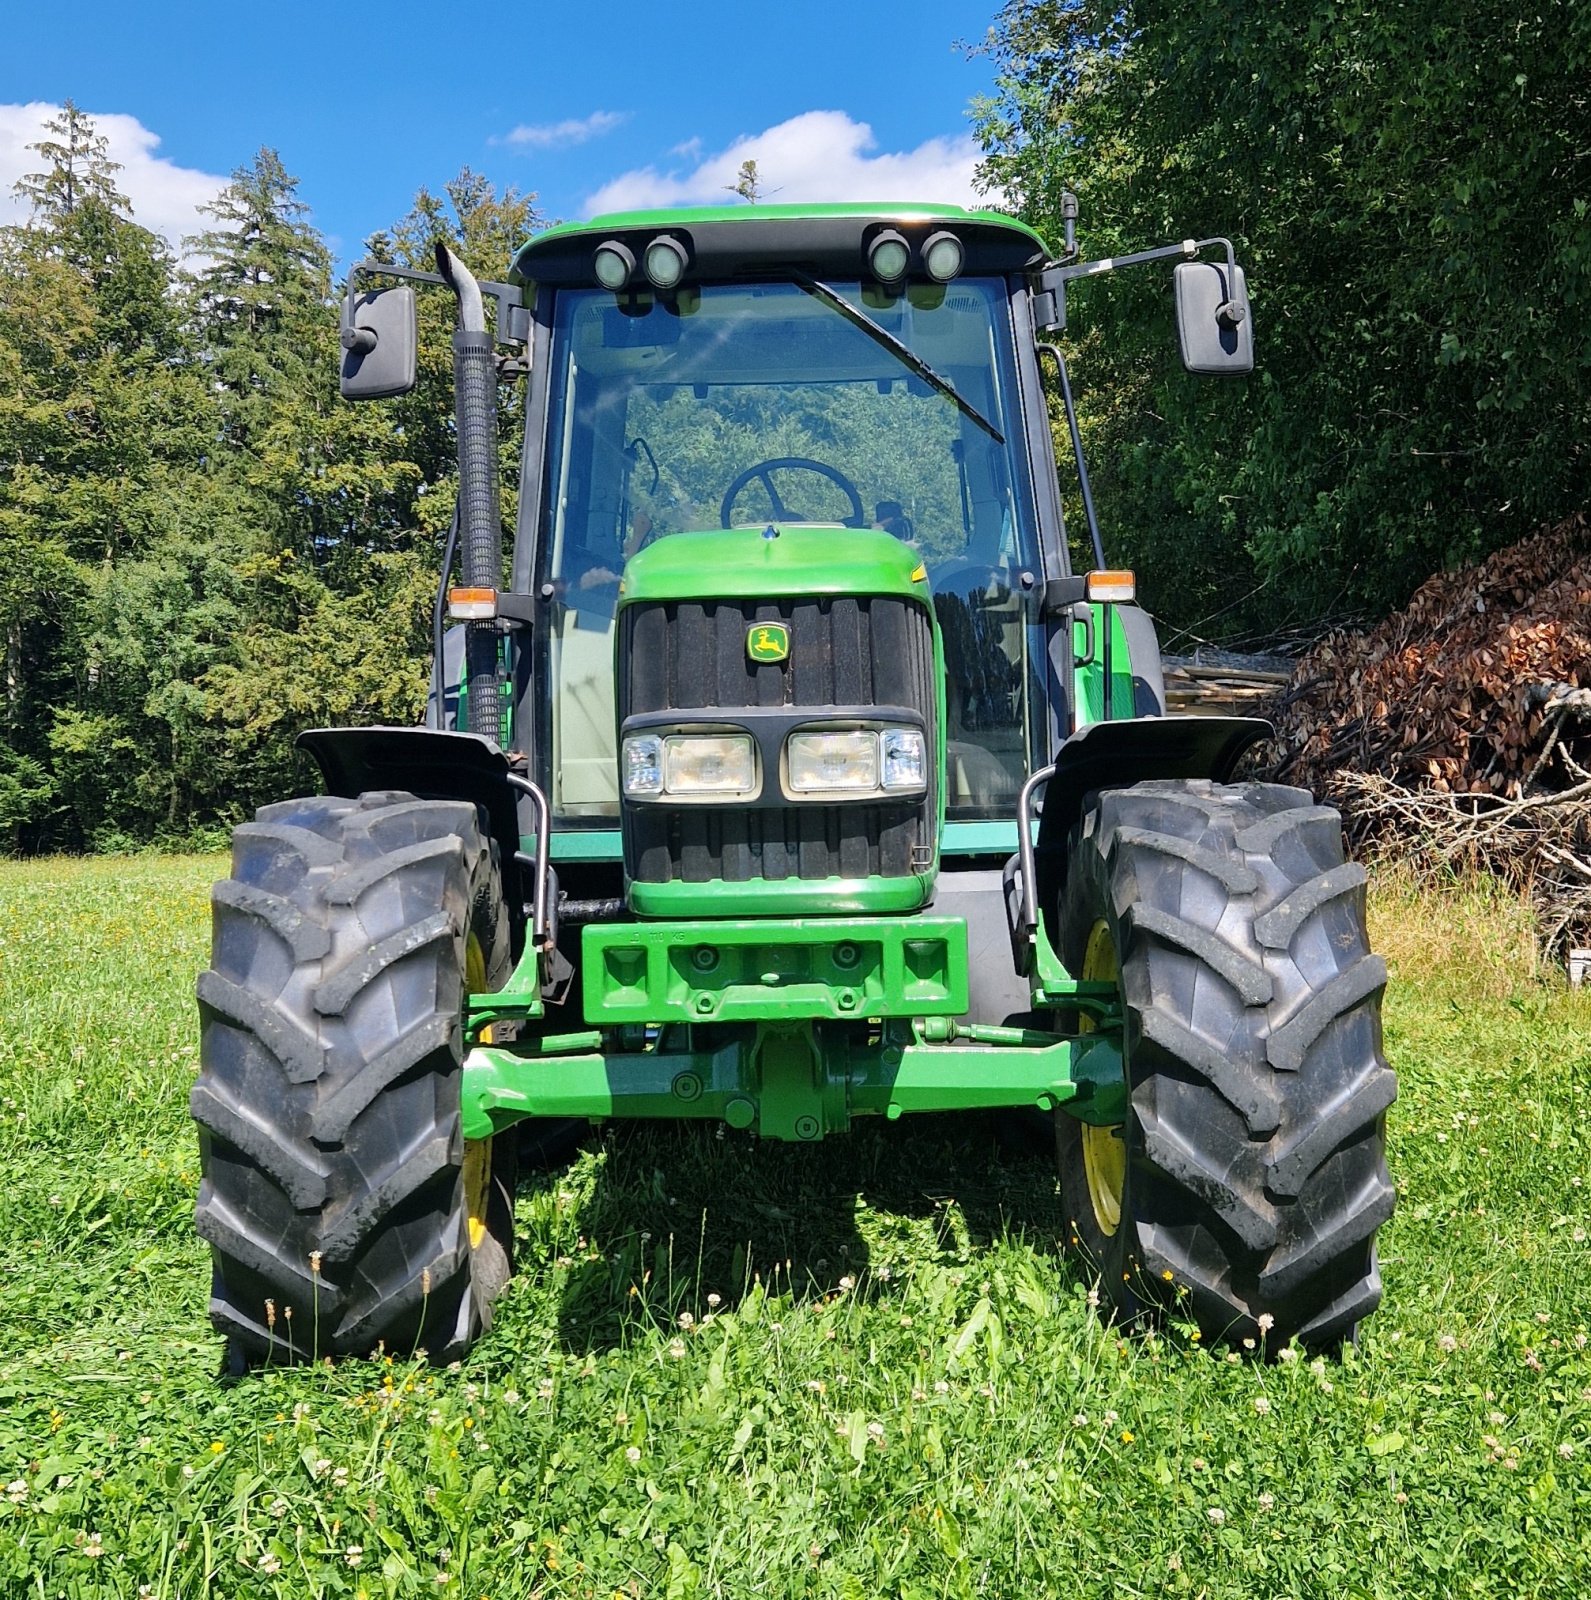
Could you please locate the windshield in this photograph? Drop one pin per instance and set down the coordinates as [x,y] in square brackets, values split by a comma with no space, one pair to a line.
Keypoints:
[742,404]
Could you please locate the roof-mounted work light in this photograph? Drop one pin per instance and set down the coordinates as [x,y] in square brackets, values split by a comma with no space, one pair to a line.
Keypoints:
[665,262]
[943,256]
[888,257]
[613,264]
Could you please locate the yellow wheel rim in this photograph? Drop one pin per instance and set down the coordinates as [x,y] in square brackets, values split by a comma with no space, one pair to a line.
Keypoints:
[1104,1152]
[477,1152]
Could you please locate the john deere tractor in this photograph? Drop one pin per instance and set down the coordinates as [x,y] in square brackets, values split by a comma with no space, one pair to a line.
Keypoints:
[784,772]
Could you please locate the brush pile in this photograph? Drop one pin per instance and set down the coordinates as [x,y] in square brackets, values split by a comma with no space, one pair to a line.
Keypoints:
[1458,732]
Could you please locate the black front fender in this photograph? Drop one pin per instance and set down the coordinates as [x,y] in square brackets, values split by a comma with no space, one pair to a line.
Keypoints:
[432,764]
[1115,755]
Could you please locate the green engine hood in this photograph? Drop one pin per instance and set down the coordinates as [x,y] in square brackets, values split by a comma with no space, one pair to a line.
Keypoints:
[804,559]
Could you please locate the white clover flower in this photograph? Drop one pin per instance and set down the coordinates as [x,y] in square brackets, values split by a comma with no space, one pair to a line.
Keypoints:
[510,1397]
[847,1283]
[1262,1406]
[17,1491]
[676,1349]
[270,1563]
[1079,1419]
[1266,1501]
[1447,1343]
[94,1548]
[632,1455]
[354,1554]
[715,1300]
[1216,1515]
[1566,1450]
[1287,1356]
[1266,1322]
[875,1430]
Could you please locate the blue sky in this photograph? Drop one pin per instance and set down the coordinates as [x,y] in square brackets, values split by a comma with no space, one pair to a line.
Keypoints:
[590,106]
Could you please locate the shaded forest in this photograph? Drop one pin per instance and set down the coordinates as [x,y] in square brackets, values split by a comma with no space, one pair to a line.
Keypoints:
[1408,187]
[203,550]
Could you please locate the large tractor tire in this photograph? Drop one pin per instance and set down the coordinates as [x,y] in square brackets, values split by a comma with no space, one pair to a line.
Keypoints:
[1245,1189]
[342,1205]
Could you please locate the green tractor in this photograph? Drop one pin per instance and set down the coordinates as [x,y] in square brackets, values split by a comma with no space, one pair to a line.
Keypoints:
[784,772]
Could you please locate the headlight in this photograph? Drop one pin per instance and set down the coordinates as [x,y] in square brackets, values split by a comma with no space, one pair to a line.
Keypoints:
[905,766]
[856,762]
[721,763]
[643,764]
[689,764]
[822,763]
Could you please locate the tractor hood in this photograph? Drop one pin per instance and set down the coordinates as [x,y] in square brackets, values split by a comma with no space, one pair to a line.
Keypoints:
[775,561]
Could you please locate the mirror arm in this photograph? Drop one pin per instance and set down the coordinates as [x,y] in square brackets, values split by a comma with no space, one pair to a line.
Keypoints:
[513,317]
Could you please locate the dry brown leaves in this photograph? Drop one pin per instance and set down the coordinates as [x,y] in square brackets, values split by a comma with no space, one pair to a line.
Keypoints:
[1440,734]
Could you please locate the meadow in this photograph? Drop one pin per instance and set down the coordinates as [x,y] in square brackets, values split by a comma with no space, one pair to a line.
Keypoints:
[854,1371]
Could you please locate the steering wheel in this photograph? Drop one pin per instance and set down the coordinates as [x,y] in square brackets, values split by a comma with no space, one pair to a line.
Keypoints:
[763,472]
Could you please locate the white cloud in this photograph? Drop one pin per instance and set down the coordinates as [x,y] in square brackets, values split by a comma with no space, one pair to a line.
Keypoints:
[165,197]
[819,155]
[560,135]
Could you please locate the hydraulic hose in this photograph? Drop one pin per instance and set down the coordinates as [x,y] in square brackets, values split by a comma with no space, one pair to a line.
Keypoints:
[438,618]
[480,519]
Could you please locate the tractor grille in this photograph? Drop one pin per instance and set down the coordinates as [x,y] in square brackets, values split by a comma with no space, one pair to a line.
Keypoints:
[851,652]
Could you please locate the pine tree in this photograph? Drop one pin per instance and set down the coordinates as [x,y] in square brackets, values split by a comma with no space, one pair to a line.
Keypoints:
[266,285]
[78,168]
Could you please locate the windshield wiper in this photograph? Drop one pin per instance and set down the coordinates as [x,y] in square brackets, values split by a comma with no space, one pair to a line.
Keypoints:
[903,353]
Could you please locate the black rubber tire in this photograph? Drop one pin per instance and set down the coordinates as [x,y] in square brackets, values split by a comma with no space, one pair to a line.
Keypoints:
[328,1097]
[1256,1173]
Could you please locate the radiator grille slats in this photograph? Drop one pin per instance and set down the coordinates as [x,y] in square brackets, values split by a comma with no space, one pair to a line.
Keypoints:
[691,656]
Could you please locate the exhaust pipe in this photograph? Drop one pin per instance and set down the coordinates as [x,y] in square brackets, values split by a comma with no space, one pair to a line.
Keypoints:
[480,515]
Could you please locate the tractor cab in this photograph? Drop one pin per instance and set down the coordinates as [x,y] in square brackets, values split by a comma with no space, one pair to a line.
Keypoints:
[764,400]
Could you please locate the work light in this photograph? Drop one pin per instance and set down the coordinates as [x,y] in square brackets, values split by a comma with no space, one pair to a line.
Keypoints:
[943,256]
[888,256]
[665,262]
[613,264]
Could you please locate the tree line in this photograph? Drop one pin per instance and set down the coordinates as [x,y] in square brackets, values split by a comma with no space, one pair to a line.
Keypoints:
[202,548]
[1408,187]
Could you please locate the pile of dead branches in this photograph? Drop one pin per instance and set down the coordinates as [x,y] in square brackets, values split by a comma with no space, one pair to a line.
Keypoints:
[1458,732]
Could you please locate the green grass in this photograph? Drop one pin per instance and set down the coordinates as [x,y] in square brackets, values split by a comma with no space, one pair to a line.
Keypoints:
[853,1371]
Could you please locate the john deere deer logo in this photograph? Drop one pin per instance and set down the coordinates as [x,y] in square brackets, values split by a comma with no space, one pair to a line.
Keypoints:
[768,641]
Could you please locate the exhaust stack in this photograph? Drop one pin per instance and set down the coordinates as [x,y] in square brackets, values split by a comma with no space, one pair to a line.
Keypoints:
[480,516]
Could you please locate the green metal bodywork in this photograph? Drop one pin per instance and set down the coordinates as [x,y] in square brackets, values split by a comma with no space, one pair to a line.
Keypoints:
[803,559]
[688,216]
[789,1081]
[833,967]
[793,216]
[1092,683]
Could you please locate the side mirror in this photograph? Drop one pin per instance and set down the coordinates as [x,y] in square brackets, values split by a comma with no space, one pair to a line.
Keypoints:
[380,343]
[1214,327]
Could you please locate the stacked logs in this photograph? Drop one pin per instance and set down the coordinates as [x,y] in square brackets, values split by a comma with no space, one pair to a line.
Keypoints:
[1458,732]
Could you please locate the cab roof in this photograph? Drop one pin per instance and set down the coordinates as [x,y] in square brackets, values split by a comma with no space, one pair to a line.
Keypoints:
[731,241]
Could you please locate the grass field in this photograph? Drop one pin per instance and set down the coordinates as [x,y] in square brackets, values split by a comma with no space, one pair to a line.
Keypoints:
[860,1370]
